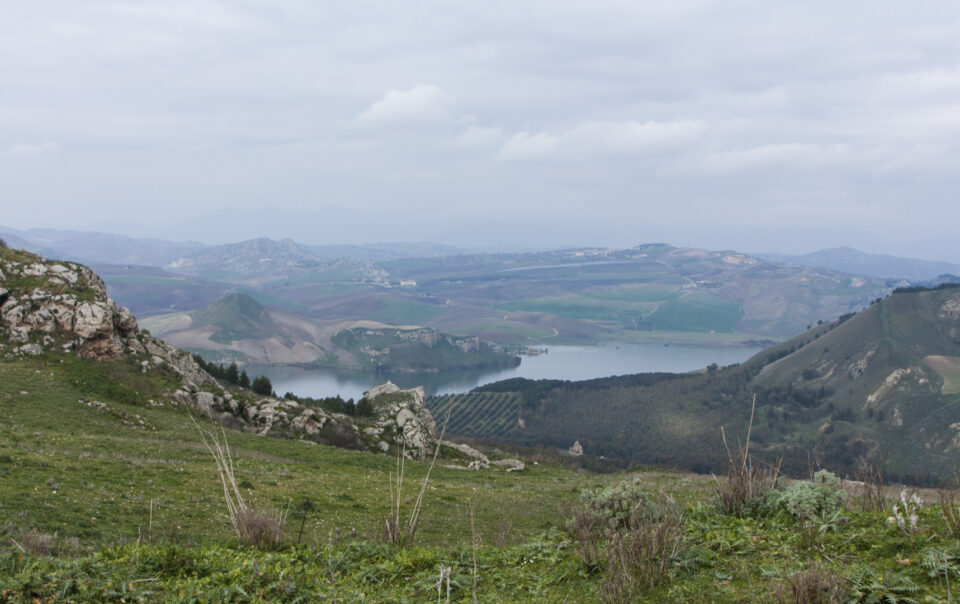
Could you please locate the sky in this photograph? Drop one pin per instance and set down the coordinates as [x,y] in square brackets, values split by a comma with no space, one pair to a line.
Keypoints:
[750,125]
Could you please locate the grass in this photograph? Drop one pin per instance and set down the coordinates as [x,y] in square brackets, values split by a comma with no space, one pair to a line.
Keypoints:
[108,471]
[404,312]
[134,511]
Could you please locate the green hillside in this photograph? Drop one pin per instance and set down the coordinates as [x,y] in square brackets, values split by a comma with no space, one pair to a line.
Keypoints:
[420,350]
[109,495]
[122,503]
[236,317]
[880,385]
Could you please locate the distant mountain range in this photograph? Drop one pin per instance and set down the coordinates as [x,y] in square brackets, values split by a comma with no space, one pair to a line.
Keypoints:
[649,292]
[884,266]
[107,248]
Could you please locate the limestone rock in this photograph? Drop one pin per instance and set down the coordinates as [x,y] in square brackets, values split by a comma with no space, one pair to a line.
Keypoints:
[403,419]
[512,465]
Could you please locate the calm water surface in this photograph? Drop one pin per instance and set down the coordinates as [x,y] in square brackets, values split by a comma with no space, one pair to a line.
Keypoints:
[561,362]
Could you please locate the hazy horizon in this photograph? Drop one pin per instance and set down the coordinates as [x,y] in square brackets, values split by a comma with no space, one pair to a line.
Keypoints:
[739,125]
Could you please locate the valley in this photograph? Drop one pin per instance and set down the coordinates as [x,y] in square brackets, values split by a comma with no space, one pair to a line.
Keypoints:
[110,495]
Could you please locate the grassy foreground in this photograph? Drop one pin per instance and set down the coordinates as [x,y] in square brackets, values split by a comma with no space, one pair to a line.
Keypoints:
[121,503]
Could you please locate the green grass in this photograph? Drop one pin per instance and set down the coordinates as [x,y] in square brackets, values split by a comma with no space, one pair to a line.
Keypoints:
[697,312]
[237,317]
[144,505]
[405,312]
[107,472]
[951,382]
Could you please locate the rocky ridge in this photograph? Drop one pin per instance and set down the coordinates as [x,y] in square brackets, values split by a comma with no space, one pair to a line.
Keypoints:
[63,307]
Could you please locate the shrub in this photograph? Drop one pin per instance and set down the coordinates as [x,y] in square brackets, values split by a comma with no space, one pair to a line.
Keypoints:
[816,585]
[637,538]
[745,490]
[615,506]
[641,555]
[37,544]
[820,498]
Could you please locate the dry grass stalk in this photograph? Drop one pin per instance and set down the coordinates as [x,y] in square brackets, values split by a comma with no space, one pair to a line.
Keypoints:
[950,508]
[872,477]
[503,532]
[816,585]
[399,532]
[253,526]
[474,545]
[36,544]
[642,557]
[744,480]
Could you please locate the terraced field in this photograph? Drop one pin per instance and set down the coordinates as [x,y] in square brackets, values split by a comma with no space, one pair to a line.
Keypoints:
[478,414]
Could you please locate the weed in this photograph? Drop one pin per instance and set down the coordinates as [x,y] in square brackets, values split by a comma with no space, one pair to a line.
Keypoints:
[822,497]
[950,510]
[940,562]
[745,481]
[253,526]
[398,532]
[906,515]
[872,476]
[503,532]
[867,585]
[642,556]
[36,544]
[816,585]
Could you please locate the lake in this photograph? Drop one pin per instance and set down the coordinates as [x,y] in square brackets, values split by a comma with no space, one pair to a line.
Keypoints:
[560,362]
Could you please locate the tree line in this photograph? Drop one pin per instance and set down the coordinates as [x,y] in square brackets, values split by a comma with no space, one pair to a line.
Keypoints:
[234,375]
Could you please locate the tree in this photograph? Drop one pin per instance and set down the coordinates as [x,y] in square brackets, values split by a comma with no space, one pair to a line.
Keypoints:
[262,385]
[232,374]
[244,379]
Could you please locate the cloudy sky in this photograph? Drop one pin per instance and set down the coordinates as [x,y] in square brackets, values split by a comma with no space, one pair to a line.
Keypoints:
[752,125]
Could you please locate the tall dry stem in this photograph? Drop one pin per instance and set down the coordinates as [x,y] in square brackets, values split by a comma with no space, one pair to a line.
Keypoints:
[744,480]
[253,526]
[872,476]
[399,532]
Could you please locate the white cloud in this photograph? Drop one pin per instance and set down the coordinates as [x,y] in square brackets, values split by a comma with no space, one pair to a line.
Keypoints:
[422,104]
[31,150]
[797,156]
[602,138]
[478,136]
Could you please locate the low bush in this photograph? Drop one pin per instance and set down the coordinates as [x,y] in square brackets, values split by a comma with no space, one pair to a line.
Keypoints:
[820,498]
[635,537]
[641,556]
[816,585]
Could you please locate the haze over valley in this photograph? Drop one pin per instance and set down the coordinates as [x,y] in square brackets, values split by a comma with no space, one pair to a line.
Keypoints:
[479,302]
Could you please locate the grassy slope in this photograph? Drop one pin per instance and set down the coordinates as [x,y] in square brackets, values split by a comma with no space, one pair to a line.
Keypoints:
[807,398]
[236,317]
[83,473]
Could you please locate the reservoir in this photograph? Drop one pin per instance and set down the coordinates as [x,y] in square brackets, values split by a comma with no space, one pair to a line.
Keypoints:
[559,362]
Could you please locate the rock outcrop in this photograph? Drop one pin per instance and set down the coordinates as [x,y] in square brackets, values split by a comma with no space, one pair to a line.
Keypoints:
[402,419]
[49,305]
[64,307]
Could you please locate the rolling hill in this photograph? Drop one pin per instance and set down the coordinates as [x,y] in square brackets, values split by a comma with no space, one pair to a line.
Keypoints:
[240,328]
[883,266]
[882,384]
